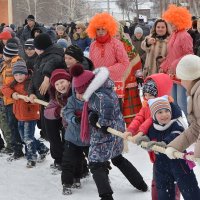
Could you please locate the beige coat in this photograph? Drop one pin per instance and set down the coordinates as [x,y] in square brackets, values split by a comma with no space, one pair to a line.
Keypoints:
[192,133]
[151,65]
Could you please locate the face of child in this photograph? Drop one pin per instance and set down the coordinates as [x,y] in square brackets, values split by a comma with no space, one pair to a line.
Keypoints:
[163,116]
[138,35]
[148,96]
[20,77]
[29,51]
[69,60]
[6,58]
[60,32]
[62,86]
[79,96]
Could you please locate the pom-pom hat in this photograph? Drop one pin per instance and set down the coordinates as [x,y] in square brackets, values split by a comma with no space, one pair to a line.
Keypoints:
[81,78]
[188,68]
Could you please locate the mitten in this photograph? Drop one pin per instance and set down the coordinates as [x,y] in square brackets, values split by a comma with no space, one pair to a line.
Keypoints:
[93,119]
[152,143]
[170,152]
[141,139]
[104,129]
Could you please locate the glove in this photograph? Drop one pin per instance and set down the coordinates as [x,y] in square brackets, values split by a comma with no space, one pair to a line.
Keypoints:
[170,152]
[141,139]
[104,129]
[93,119]
[152,143]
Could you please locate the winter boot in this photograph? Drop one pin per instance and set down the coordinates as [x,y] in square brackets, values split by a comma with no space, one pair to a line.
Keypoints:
[77,183]
[6,151]
[107,197]
[100,176]
[67,189]
[15,156]
[55,166]
[31,164]
[130,172]
[43,155]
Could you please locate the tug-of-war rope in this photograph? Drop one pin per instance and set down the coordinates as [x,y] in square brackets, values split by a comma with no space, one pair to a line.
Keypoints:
[154,148]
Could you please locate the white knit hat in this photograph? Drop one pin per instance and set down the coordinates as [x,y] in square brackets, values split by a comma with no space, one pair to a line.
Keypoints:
[138,30]
[188,68]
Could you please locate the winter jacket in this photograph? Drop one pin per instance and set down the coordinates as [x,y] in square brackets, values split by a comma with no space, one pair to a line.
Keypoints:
[82,40]
[103,101]
[30,62]
[26,33]
[7,77]
[191,134]
[143,120]
[22,110]
[153,52]
[112,55]
[72,110]
[179,45]
[51,59]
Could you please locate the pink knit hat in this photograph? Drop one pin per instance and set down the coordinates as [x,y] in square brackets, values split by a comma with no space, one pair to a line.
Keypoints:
[81,78]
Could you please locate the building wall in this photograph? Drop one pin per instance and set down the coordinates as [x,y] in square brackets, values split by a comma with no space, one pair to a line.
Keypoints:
[4,11]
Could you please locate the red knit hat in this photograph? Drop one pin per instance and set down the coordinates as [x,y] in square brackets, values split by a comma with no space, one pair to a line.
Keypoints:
[81,78]
[5,35]
[59,74]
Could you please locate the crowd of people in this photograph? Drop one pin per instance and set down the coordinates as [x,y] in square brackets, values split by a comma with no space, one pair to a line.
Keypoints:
[89,79]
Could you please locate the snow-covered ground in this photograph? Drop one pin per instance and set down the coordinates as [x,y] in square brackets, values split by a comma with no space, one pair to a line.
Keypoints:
[19,183]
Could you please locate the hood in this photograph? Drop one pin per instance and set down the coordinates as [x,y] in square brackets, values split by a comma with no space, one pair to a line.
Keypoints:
[100,79]
[163,83]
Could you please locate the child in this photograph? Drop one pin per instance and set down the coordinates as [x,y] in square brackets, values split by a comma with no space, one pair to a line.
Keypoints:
[164,129]
[26,113]
[153,87]
[59,91]
[74,148]
[102,103]
[188,70]
[10,55]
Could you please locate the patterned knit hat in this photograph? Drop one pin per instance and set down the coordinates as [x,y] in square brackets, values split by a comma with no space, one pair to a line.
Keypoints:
[158,104]
[10,50]
[81,78]
[20,68]
[150,87]
[59,74]
[75,52]
[29,44]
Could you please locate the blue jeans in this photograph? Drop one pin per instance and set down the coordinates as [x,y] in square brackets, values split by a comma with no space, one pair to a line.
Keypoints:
[16,141]
[27,130]
[180,97]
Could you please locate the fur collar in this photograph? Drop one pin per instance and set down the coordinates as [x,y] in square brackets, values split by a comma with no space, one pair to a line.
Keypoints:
[101,75]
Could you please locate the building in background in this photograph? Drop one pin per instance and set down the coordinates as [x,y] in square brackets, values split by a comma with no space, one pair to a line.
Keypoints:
[6,11]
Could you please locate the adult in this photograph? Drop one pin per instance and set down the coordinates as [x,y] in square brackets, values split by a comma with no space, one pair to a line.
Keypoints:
[179,45]
[155,46]
[61,34]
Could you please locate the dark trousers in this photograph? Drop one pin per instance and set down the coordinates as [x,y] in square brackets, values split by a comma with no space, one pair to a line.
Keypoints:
[72,162]
[1,142]
[55,132]
[16,141]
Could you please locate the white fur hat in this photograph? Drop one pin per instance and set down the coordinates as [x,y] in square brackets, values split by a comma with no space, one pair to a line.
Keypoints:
[188,68]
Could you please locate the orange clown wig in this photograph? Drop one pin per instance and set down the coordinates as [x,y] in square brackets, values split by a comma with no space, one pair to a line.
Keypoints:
[179,16]
[102,20]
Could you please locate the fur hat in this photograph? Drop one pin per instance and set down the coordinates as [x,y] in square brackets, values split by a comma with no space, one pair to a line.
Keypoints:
[179,16]
[42,41]
[104,20]
[10,50]
[31,17]
[5,35]
[75,52]
[138,30]
[158,104]
[188,67]
[81,78]
[20,67]
[150,87]
[58,74]
[62,43]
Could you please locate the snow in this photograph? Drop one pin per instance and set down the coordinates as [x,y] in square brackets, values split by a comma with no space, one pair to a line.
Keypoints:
[20,183]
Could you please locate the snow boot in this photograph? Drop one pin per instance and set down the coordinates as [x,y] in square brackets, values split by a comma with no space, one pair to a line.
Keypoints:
[67,189]
[43,155]
[31,164]
[15,156]
[107,197]
[76,183]
[130,172]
